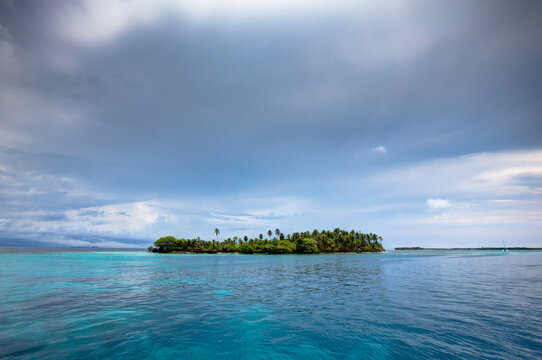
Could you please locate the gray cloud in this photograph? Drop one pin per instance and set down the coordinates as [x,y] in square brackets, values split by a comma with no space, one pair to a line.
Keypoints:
[174,106]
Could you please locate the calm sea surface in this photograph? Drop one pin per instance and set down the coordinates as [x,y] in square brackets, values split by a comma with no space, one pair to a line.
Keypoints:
[131,305]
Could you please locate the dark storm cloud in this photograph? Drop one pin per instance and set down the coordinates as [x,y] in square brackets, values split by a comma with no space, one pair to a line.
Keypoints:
[175,107]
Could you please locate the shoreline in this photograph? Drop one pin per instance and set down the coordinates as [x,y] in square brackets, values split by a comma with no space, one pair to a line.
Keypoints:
[240,253]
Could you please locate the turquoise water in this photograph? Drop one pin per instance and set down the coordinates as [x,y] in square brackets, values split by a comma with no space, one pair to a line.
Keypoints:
[130,305]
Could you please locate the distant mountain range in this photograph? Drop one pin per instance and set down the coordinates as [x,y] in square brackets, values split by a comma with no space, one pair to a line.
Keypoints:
[24,242]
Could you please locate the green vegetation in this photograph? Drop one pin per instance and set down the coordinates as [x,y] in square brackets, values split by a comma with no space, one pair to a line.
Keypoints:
[297,243]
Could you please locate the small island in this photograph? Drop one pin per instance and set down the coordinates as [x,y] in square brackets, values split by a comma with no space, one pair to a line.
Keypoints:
[307,242]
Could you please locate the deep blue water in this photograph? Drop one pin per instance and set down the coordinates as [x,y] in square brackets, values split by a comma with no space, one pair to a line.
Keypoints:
[131,305]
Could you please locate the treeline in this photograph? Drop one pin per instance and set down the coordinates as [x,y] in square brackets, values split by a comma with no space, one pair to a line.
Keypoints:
[297,243]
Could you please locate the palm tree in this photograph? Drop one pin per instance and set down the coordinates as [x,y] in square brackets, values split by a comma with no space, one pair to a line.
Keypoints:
[269,232]
[261,236]
[217,232]
[277,232]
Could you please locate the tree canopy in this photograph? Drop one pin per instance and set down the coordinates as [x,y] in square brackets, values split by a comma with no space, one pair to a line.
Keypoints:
[306,242]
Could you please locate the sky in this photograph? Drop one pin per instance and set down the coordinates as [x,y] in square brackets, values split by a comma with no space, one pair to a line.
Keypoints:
[123,121]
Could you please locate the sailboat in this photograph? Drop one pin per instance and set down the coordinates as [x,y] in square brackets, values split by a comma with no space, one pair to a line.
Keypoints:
[504,246]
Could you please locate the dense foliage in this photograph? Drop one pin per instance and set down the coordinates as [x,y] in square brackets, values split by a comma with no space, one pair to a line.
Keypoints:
[297,243]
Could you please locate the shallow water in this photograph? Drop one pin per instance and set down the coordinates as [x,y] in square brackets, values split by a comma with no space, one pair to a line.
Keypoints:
[409,305]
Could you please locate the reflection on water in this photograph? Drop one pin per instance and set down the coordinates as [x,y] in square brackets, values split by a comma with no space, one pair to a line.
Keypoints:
[383,306]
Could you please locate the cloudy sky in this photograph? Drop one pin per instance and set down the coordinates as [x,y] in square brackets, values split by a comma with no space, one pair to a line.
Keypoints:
[122,121]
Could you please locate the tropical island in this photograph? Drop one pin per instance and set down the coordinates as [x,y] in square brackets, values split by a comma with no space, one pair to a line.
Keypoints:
[307,242]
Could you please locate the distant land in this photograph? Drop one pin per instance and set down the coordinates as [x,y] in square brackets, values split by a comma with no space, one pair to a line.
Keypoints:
[307,242]
[24,242]
[479,248]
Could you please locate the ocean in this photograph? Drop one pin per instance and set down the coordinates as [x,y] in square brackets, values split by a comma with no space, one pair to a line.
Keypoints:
[97,304]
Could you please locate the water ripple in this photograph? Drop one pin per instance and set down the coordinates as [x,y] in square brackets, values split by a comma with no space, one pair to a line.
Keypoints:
[475,305]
